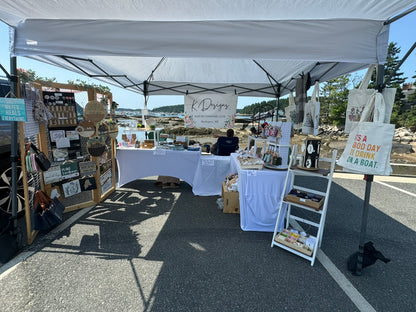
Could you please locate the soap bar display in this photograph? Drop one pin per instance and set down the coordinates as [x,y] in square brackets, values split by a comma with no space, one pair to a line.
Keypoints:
[305,198]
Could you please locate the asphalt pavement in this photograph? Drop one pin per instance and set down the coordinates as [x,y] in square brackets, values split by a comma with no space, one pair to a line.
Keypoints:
[151,249]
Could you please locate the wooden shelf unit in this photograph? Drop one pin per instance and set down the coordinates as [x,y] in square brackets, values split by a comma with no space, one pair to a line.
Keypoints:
[292,220]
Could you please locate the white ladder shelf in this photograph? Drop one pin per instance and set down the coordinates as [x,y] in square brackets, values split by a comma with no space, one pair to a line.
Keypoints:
[293,220]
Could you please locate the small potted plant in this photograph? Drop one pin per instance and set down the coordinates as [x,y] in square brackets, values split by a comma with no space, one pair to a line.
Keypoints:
[152,127]
[112,128]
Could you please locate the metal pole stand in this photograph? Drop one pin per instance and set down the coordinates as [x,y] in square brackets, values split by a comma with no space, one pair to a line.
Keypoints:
[358,270]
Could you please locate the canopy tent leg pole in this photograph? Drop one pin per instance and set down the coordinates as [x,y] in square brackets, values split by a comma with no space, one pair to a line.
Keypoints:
[14,152]
[277,103]
[369,179]
[144,111]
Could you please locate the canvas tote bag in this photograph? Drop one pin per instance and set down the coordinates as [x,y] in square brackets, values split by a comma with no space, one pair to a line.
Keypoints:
[310,123]
[290,111]
[369,143]
[358,98]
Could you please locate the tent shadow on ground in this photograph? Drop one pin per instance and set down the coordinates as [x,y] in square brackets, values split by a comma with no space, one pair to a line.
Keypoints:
[186,255]
[110,224]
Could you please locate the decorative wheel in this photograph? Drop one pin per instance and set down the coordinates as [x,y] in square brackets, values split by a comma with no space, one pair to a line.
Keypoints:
[6,191]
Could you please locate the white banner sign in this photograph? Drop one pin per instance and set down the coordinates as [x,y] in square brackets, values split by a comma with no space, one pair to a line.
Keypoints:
[210,110]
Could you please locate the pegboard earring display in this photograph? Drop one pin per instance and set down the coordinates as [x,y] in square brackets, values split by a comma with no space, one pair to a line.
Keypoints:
[62,107]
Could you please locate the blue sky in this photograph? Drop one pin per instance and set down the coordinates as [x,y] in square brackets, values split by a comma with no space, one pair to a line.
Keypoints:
[402,32]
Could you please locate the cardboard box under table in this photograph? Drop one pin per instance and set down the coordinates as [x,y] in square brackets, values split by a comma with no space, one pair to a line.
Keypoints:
[231,200]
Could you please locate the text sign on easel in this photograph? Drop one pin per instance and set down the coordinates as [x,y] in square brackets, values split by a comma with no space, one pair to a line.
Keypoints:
[12,109]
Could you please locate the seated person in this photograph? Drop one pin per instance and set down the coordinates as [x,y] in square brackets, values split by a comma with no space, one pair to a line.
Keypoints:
[225,145]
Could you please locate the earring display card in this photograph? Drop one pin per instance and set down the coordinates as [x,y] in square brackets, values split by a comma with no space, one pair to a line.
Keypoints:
[311,156]
[62,107]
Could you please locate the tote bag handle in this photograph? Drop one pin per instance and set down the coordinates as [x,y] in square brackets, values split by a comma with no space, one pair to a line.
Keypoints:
[291,99]
[315,93]
[375,109]
[367,77]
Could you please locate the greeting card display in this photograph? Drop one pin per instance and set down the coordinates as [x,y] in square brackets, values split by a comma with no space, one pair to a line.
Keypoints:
[71,188]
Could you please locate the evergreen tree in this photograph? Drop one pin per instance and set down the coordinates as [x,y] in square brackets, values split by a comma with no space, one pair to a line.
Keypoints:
[334,100]
[395,79]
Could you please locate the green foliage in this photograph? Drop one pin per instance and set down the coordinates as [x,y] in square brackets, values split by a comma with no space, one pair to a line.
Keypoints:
[403,113]
[179,109]
[92,85]
[334,100]
[264,106]
[27,76]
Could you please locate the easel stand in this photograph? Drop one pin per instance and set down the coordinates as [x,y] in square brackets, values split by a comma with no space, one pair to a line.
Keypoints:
[369,179]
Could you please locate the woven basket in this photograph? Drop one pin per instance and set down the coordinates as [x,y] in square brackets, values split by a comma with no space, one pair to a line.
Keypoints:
[96,151]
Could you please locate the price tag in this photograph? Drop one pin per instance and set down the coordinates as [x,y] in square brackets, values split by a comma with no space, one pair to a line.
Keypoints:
[252,173]
[207,162]
[161,152]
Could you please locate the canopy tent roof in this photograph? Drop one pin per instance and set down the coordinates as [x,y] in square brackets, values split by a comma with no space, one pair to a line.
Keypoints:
[251,47]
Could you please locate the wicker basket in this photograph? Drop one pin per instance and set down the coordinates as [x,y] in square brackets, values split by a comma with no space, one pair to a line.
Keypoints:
[96,146]
[96,151]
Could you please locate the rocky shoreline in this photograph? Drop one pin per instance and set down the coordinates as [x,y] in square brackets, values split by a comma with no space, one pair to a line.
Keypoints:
[403,151]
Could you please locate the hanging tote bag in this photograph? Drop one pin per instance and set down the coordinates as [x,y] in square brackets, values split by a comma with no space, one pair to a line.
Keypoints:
[41,159]
[358,98]
[47,212]
[369,143]
[310,123]
[290,111]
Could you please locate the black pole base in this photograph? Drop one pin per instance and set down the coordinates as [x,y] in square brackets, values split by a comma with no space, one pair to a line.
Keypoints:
[366,256]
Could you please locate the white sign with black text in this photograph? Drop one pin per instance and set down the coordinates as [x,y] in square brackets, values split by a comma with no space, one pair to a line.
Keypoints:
[210,110]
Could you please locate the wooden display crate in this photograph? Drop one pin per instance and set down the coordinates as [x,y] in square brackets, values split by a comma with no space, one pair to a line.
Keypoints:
[317,205]
[294,244]
[148,144]
[231,200]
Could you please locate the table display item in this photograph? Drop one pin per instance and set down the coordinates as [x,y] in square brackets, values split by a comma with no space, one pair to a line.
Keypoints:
[148,144]
[62,108]
[247,162]
[96,146]
[311,148]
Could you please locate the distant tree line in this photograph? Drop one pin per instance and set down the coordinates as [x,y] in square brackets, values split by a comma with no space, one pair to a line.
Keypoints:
[179,109]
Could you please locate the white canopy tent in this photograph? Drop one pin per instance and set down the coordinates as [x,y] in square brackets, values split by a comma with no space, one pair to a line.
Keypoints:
[250,47]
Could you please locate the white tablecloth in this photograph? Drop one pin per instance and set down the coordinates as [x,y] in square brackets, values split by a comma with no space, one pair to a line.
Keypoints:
[209,175]
[140,163]
[260,193]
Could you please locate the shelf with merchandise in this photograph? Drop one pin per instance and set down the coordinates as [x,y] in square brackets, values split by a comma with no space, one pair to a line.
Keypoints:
[304,198]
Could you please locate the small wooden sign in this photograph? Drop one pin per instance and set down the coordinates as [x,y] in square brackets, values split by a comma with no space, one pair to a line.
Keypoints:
[69,170]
